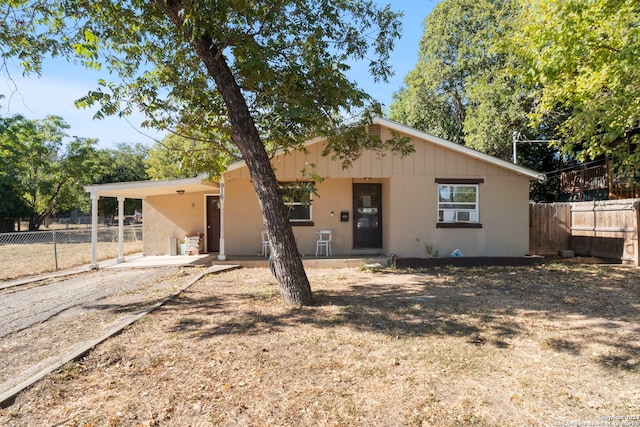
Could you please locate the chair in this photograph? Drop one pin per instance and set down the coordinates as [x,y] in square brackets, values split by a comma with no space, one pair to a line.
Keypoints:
[266,245]
[324,241]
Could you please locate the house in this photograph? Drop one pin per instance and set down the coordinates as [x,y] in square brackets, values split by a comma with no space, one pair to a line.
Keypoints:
[443,197]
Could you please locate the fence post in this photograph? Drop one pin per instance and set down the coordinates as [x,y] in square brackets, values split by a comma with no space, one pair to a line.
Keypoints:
[94,230]
[55,252]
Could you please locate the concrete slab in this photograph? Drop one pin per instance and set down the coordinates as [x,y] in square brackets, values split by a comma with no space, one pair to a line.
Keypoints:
[140,261]
[566,253]
[336,261]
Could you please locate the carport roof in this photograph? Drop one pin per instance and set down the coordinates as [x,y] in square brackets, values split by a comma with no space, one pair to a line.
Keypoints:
[144,189]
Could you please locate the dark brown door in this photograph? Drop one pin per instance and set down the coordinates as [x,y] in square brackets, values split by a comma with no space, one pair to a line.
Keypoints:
[367,216]
[213,224]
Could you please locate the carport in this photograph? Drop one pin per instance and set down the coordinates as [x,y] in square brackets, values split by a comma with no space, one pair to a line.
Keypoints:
[141,190]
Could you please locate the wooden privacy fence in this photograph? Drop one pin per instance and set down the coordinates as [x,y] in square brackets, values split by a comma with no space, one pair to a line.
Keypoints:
[606,229]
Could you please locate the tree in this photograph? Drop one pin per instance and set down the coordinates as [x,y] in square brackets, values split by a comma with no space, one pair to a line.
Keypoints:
[462,88]
[456,49]
[262,73]
[12,205]
[180,157]
[46,174]
[468,86]
[583,56]
[124,163]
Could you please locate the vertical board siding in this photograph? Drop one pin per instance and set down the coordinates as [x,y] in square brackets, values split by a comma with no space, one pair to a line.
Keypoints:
[428,159]
[606,229]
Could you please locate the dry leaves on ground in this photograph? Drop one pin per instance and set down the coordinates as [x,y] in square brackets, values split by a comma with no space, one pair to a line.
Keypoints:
[545,345]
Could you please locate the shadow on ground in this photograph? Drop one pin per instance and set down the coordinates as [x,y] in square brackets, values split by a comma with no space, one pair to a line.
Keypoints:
[580,305]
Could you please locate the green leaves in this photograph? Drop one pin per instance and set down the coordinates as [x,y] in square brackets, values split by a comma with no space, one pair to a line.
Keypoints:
[584,56]
[288,56]
[549,69]
[457,90]
[180,157]
[88,50]
[124,163]
[45,173]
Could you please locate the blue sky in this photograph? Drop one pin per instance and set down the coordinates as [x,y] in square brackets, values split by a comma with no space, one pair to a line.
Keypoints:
[61,84]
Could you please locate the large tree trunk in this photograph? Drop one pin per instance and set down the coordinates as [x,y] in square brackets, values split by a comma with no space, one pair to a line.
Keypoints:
[288,268]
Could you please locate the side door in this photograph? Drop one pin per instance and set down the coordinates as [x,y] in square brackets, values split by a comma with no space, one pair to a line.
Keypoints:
[213,224]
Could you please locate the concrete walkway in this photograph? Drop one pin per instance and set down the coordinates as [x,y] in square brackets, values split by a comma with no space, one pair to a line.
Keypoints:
[140,261]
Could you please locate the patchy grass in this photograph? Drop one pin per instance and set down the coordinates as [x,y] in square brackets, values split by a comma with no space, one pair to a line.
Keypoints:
[36,258]
[545,345]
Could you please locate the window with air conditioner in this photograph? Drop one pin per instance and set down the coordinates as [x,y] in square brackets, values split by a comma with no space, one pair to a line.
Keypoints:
[458,203]
[463,216]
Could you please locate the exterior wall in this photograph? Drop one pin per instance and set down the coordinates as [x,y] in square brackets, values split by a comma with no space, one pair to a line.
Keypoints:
[503,212]
[171,216]
[243,219]
[409,203]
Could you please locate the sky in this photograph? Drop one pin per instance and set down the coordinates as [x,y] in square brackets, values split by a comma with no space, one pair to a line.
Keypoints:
[61,84]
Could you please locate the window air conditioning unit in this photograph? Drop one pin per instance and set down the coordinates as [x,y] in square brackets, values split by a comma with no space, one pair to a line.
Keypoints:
[462,216]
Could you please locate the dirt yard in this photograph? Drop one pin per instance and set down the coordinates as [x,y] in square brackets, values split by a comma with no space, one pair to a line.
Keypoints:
[555,345]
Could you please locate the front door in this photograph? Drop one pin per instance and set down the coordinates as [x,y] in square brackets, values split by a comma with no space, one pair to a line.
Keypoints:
[367,216]
[213,223]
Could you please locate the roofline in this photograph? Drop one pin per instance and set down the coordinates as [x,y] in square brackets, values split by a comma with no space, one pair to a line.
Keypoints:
[459,148]
[399,127]
[135,185]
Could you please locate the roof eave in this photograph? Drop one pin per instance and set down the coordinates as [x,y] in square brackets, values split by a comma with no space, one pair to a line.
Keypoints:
[135,188]
[399,127]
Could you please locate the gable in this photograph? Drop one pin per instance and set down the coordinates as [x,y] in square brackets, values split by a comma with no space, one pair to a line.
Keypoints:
[432,156]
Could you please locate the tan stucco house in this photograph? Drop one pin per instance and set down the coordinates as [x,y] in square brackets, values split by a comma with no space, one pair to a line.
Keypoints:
[443,196]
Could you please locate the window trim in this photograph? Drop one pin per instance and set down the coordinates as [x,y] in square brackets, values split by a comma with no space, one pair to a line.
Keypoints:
[459,180]
[301,223]
[453,182]
[458,225]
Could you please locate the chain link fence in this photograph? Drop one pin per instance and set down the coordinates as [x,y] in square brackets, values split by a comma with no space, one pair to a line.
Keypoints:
[35,252]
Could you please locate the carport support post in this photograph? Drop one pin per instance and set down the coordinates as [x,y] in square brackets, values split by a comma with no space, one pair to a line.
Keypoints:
[120,229]
[221,255]
[94,230]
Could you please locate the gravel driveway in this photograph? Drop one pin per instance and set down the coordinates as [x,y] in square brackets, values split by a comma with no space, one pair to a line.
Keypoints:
[24,306]
[44,322]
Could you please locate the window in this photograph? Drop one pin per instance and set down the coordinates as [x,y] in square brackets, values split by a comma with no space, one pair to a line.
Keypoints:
[458,205]
[297,196]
